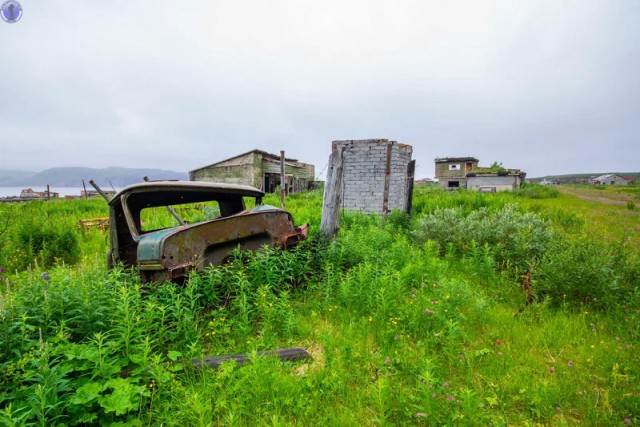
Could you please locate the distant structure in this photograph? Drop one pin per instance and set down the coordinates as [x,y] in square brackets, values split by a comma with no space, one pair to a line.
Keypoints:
[93,193]
[451,172]
[492,182]
[258,169]
[609,179]
[424,181]
[464,172]
[549,182]
[28,193]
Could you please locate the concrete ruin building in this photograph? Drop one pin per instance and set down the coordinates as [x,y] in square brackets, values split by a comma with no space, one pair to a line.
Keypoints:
[492,182]
[377,174]
[451,172]
[609,179]
[464,172]
[258,169]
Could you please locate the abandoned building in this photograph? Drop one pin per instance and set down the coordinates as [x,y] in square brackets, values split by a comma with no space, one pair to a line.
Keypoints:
[492,182]
[258,169]
[28,193]
[377,174]
[451,172]
[609,179]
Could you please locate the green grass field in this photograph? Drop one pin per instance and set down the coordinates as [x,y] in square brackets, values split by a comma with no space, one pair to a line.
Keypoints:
[410,321]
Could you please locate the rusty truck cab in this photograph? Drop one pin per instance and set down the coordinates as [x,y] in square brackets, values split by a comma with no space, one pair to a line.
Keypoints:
[170,250]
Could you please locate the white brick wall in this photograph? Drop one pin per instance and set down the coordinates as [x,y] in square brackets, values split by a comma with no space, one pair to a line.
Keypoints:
[364,174]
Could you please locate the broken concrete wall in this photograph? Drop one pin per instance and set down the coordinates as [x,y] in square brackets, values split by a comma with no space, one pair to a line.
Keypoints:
[366,185]
[244,170]
[493,182]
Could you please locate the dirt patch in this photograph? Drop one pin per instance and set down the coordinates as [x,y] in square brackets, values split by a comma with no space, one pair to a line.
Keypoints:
[598,196]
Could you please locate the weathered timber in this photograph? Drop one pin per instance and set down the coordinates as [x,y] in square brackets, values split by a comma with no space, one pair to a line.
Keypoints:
[284,354]
[283,180]
[411,173]
[387,181]
[99,190]
[332,200]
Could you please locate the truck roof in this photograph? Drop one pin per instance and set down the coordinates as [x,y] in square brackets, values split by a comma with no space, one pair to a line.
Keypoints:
[176,187]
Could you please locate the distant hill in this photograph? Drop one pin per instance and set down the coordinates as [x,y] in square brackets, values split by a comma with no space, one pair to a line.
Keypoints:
[73,176]
[580,177]
[10,176]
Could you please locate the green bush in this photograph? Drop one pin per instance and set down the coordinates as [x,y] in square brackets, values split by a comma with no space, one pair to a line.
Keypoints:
[47,243]
[516,239]
[583,271]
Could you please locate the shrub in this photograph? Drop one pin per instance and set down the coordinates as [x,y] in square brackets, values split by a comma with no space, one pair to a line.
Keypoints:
[584,271]
[515,238]
[47,243]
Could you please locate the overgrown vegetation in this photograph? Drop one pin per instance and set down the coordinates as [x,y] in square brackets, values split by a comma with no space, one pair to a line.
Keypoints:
[416,321]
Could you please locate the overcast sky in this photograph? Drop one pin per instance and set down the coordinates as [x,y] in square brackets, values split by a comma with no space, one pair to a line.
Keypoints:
[549,87]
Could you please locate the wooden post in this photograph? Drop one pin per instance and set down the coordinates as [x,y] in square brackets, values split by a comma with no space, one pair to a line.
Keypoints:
[282,180]
[387,181]
[48,193]
[86,196]
[332,200]
[411,172]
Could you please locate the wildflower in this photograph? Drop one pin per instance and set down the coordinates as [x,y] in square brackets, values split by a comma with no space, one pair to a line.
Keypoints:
[593,329]
[499,353]
[433,396]
[551,371]
[445,384]
[387,360]
[558,409]
[396,337]
[570,363]
[427,311]
[421,415]
[413,295]
[461,356]
[413,291]
[498,343]
[450,398]
[434,302]
[627,420]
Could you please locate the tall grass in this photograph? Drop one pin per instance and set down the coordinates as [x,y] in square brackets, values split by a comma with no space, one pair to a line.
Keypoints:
[410,321]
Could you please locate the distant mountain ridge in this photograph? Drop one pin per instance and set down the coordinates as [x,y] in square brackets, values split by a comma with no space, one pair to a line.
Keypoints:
[73,176]
[587,175]
[580,178]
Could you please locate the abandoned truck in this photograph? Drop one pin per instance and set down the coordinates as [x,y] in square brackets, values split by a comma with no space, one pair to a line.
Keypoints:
[168,228]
